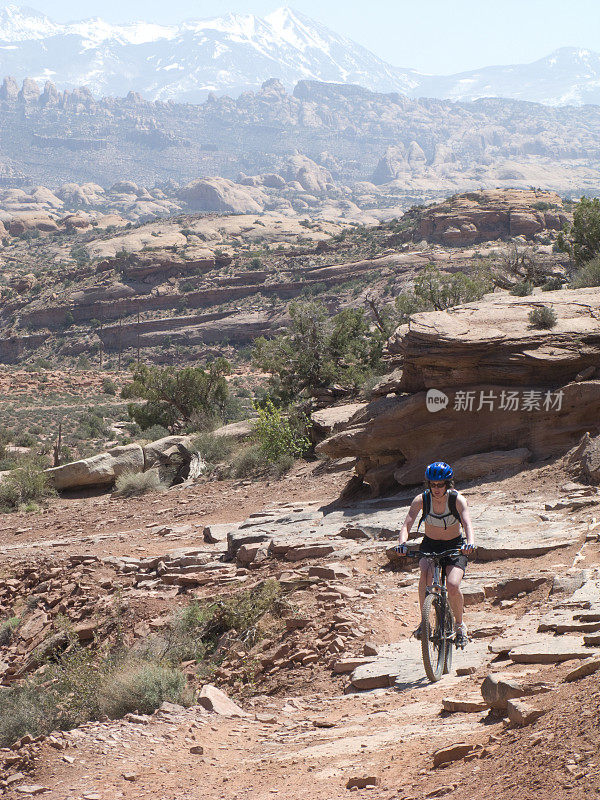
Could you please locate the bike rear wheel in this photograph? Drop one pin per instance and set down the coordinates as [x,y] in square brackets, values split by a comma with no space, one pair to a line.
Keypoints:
[433,641]
[449,642]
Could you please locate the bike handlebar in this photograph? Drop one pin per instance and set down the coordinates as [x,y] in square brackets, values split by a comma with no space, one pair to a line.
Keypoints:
[443,554]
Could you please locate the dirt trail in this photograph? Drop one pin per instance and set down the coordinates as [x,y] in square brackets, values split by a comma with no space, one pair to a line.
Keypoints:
[314,735]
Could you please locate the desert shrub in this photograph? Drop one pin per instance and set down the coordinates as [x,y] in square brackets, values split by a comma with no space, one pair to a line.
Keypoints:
[316,351]
[522,289]
[587,275]
[91,425]
[255,263]
[27,483]
[7,629]
[85,684]
[543,317]
[213,449]
[173,396]
[25,439]
[142,687]
[155,432]
[277,436]
[109,386]
[135,484]
[435,290]
[553,284]
[248,462]
[582,240]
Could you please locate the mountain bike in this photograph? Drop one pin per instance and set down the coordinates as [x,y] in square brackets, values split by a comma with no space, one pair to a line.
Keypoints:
[437,621]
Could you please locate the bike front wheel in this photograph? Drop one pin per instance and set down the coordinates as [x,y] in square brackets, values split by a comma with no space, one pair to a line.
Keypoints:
[433,640]
[449,642]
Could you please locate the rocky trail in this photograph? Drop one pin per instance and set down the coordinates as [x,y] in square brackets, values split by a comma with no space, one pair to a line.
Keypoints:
[339,702]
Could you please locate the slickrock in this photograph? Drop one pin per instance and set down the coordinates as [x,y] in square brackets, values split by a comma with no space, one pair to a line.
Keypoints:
[552,650]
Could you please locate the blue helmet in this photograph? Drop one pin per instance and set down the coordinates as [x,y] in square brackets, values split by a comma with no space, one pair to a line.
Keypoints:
[439,471]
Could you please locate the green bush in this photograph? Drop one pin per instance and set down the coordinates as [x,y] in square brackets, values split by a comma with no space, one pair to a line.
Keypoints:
[109,386]
[587,275]
[135,484]
[86,684]
[142,688]
[249,462]
[173,396]
[213,449]
[582,240]
[7,629]
[155,432]
[543,317]
[522,289]
[25,439]
[91,425]
[553,284]
[277,436]
[27,483]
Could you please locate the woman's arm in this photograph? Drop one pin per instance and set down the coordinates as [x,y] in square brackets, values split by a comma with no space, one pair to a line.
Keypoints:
[465,516]
[413,512]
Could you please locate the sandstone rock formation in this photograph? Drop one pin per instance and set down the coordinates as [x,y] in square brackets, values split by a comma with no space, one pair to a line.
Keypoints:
[499,385]
[222,195]
[493,214]
[172,456]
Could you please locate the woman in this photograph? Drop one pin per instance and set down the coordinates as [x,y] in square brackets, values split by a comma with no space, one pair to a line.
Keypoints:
[443,511]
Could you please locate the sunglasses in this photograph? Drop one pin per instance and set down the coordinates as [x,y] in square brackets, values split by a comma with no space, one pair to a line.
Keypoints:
[437,484]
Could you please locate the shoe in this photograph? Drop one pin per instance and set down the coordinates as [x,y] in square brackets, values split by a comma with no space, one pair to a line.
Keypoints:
[461,635]
[417,632]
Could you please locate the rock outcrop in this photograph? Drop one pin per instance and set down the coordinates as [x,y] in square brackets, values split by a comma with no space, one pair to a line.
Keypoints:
[172,456]
[478,387]
[483,216]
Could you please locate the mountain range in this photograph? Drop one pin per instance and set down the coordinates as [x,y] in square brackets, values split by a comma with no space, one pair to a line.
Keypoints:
[236,53]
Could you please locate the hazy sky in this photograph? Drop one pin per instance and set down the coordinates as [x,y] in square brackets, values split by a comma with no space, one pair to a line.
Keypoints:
[438,36]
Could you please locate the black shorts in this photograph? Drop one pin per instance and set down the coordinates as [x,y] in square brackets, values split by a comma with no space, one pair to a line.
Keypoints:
[439,545]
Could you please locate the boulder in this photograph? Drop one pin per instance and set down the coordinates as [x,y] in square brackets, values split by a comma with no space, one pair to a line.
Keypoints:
[155,451]
[498,689]
[521,714]
[213,699]
[222,195]
[100,470]
[585,459]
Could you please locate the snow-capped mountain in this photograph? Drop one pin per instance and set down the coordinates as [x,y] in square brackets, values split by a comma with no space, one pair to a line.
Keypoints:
[227,54]
[568,76]
[237,52]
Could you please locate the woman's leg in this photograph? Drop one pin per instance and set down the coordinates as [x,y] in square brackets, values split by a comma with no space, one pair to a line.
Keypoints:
[454,576]
[425,579]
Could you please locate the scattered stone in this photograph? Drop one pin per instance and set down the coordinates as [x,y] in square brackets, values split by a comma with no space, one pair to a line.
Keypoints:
[130,776]
[375,675]
[592,640]
[266,719]
[461,671]
[370,649]
[522,714]
[32,789]
[362,782]
[498,689]
[349,665]
[213,699]
[587,667]
[465,705]
[453,752]
[197,750]
[442,790]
